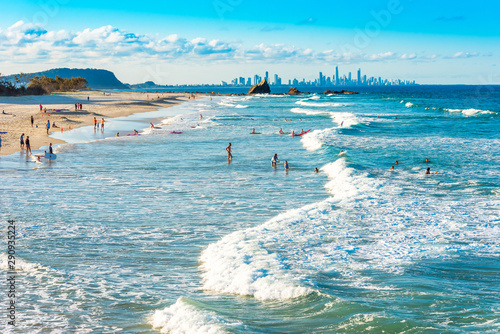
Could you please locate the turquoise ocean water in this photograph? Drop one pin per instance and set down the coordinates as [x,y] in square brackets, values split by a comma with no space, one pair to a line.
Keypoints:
[160,233]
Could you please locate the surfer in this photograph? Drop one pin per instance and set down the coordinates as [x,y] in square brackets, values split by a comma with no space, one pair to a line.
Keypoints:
[118,134]
[229,154]
[50,149]
[286,165]
[316,170]
[341,153]
[274,160]
[253,130]
[392,167]
[293,133]
[396,163]
[280,131]
[428,171]
[427,160]
[136,132]
[152,126]
[201,116]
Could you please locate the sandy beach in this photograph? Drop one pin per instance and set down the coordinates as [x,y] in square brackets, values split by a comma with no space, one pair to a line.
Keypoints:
[61,110]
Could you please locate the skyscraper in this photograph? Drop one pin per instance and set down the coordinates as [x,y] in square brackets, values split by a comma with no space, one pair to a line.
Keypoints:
[267,76]
[337,81]
[359,76]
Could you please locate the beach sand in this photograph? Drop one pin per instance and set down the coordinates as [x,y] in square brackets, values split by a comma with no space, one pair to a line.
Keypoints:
[100,104]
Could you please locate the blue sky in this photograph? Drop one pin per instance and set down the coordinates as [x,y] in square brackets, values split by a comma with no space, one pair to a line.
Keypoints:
[209,41]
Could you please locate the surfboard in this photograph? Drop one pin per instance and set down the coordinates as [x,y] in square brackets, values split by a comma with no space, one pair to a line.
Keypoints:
[50,156]
[157,127]
[284,133]
[176,132]
[255,133]
[302,133]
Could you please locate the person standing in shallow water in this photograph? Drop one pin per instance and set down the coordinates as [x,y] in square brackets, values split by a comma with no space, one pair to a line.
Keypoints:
[274,160]
[28,146]
[229,152]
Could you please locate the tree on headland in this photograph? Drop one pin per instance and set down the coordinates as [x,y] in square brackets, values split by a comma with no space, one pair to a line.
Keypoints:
[49,85]
[40,85]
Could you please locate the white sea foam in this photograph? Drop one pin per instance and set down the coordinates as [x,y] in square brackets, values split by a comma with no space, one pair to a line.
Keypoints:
[19,264]
[310,111]
[470,111]
[321,104]
[409,104]
[183,317]
[316,139]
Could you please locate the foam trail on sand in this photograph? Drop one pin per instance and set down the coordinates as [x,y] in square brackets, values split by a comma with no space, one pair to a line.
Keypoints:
[184,318]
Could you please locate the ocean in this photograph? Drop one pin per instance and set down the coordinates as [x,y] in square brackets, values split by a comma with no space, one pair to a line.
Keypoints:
[161,233]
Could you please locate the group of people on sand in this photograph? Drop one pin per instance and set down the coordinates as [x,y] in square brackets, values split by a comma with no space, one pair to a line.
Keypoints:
[427,171]
[78,106]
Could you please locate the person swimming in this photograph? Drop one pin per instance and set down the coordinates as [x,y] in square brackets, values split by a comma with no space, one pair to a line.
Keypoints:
[316,170]
[396,163]
[427,160]
[392,168]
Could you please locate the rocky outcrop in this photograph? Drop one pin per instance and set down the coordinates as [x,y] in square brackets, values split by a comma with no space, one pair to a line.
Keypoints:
[336,92]
[293,91]
[261,88]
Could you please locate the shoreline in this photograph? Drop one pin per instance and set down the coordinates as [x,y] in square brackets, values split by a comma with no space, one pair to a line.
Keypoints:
[61,110]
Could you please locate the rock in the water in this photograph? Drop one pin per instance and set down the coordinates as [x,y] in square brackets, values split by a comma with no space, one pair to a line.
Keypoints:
[261,88]
[335,92]
[293,91]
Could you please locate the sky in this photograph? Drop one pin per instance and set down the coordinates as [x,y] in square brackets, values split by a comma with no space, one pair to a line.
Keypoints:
[194,42]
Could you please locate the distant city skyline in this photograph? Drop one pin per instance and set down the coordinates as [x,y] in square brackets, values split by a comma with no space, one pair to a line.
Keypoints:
[321,81]
[208,41]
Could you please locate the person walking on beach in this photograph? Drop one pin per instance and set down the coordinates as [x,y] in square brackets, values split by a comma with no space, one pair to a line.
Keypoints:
[76,107]
[32,120]
[41,108]
[21,141]
[48,126]
[274,160]
[28,146]
[95,122]
[229,154]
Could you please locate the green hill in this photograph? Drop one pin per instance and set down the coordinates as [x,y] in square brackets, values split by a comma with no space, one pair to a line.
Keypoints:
[96,78]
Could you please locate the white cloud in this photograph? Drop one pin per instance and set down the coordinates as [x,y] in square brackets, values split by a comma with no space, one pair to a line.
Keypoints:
[28,42]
